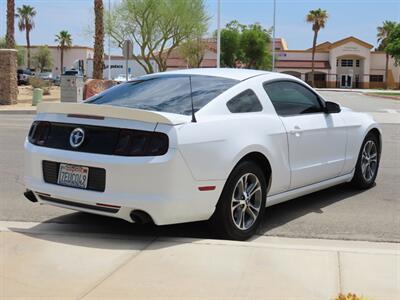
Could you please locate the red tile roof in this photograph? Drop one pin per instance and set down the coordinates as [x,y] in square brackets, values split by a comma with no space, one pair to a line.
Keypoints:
[302,64]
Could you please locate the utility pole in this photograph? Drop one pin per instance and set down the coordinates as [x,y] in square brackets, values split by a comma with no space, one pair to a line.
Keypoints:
[273,38]
[109,41]
[219,34]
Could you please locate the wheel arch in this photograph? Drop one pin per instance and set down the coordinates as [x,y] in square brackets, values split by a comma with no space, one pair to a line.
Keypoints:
[261,160]
[375,131]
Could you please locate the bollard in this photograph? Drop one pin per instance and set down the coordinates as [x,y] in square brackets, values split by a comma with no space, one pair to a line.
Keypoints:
[37,96]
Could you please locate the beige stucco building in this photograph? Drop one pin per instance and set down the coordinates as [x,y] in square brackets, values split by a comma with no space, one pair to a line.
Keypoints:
[71,55]
[347,63]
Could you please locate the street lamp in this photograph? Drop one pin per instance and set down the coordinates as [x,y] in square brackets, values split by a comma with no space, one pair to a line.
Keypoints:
[273,37]
[219,33]
[109,41]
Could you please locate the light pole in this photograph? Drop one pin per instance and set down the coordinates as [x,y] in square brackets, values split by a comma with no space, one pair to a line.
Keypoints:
[109,41]
[273,38]
[218,33]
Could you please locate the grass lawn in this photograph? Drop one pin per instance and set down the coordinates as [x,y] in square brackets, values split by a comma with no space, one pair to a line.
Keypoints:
[389,95]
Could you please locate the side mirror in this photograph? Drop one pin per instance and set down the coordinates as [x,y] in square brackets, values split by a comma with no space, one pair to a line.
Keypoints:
[332,107]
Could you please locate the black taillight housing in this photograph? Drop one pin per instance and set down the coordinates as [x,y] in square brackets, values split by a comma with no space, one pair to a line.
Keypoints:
[39,132]
[141,143]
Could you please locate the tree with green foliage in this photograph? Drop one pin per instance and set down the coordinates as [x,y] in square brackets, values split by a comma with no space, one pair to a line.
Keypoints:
[247,43]
[254,43]
[230,44]
[64,41]
[383,33]
[393,44]
[318,18]
[193,51]
[42,59]
[25,15]
[20,54]
[156,27]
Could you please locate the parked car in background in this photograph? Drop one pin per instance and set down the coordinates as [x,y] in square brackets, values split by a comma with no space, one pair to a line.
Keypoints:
[23,76]
[122,78]
[200,144]
[48,76]
[73,72]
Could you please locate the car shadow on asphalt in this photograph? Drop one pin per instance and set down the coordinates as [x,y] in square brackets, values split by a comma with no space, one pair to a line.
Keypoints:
[96,227]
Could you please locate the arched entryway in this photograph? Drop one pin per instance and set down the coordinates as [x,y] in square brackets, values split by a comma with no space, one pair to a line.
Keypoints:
[350,70]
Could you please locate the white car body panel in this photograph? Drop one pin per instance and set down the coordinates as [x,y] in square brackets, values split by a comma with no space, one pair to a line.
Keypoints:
[306,153]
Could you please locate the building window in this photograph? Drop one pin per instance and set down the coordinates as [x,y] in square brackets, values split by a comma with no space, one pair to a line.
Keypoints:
[376,78]
[357,63]
[337,63]
[347,63]
[319,77]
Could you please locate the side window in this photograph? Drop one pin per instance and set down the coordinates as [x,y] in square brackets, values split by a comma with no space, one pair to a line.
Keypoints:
[246,101]
[291,98]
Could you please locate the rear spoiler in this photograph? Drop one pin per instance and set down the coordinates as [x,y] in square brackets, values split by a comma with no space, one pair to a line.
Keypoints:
[108,111]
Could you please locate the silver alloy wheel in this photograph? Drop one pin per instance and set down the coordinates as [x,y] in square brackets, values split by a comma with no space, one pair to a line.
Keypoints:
[246,201]
[369,160]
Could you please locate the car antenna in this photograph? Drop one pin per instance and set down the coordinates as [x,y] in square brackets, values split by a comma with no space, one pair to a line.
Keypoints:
[191,99]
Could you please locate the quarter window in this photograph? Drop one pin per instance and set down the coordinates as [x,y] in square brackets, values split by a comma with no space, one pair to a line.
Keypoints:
[291,98]
[246,101]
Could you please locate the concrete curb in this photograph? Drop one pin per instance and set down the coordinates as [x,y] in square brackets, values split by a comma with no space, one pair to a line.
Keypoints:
[111,266]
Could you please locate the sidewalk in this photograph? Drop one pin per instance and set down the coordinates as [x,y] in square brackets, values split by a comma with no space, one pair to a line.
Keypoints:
[51,261]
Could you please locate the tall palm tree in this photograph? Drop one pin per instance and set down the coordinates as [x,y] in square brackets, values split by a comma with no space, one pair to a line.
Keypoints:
[64,41]
[10,40]
[25,15]
[318,18]
[382,35]
[98,40]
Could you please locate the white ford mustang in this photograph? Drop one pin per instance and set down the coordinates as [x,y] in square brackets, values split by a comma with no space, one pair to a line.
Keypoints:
[201,144]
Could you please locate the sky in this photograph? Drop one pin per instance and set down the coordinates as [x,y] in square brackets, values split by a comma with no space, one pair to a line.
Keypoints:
[358,18]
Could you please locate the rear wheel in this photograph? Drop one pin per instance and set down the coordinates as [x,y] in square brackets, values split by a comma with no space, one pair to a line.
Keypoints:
[367,163]
[242,203]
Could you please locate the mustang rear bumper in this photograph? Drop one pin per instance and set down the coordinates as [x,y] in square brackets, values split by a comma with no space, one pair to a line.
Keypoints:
[163,187]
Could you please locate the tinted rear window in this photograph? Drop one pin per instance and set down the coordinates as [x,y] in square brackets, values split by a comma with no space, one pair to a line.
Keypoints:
[167,93]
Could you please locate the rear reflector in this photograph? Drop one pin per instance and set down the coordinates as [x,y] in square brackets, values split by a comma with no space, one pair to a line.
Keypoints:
[108,205]
[207,188]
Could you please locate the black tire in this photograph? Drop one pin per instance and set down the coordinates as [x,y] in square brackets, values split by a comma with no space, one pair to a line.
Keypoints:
[360,180]
[223,219]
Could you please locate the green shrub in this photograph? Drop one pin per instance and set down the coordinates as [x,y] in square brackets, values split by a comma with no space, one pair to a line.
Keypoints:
[37,82]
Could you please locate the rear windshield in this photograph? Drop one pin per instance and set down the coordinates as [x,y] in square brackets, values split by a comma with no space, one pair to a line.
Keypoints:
[166,93]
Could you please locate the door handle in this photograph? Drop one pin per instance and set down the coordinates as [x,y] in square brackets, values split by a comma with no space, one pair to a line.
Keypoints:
[296,131]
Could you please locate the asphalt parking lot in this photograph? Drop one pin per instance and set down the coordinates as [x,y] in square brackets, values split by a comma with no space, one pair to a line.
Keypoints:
[336,213]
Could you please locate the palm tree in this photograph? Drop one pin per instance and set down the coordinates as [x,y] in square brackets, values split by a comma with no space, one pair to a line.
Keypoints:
[98,40]
[318,19]
[383,33]
[64,41]
[25,15]
[10,24]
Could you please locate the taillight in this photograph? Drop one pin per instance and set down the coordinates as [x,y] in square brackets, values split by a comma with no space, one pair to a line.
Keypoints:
[39,132]
[141,143]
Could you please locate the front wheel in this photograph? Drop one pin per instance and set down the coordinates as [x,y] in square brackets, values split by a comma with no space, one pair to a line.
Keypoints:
[367,163]
[242,203]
